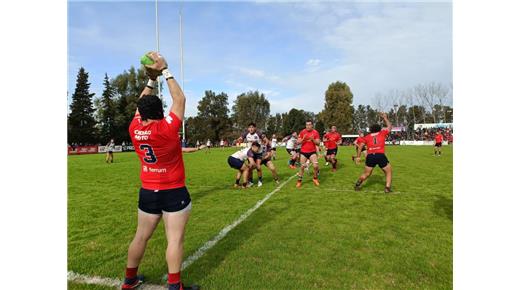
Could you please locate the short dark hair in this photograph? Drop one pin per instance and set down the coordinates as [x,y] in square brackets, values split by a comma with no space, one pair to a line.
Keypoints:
[309,120]
[150,107]
[374,128]
[251,124]
[256,144]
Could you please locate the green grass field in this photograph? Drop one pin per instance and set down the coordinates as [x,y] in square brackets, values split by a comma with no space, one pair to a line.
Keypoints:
[329,237]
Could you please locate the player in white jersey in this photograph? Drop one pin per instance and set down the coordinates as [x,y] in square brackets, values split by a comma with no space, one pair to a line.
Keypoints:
[274,143]
[292,148]
[110,151]
[237,161]
[250,136]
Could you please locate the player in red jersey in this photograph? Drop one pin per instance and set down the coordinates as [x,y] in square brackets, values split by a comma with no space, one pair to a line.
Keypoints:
[331,140]
[375,142]
[308,138]
[438,144]
[359,143]
[163,193]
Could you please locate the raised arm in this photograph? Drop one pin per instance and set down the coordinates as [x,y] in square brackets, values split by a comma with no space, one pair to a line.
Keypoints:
[387,122]
[178,98]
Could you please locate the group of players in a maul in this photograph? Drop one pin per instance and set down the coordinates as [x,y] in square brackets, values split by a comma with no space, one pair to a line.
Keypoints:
[163,194]
[304,150]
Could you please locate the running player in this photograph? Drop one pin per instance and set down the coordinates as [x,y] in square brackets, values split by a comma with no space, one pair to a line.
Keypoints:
[291,147]
[208,145]
[110,151]
[274,143]
[438,144]
[266,157]
[331,140]
[163,193]
[237,161]
[359,143]
[308,138]
[375,142]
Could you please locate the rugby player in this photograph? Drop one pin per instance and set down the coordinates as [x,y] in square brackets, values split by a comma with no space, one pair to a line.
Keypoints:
[163,193]
[274,143]
[438,144]
[375,142]
[359,142]
[237,161]
[266,157]
[110,151]
[308,138]
[331,140]
[291,147]
[250,136]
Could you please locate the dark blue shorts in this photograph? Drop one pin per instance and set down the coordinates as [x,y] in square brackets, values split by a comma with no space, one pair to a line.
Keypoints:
[168,200]
[235,162]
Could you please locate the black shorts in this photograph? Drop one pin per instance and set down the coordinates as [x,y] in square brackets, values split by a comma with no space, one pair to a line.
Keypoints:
[438,144]
[168,200]
[332,151]
[274,148]
[235,162]
[110,152]
[257,156]
[308,155]
[264,162]
[376,159]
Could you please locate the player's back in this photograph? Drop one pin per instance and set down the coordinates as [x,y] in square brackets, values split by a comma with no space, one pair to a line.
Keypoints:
[375,142]
[159,149]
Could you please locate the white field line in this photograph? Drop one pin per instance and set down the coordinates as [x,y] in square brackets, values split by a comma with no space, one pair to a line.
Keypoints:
[102,281]
[209,244]
[85,279]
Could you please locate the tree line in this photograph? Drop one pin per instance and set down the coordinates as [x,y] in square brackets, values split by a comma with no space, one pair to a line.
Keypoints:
[94,120]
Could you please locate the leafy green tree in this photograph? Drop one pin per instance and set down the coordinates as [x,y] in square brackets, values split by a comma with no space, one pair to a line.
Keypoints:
[213,116]
[338,109]
[295,121]
[250,107]
[81,122]
[127,87]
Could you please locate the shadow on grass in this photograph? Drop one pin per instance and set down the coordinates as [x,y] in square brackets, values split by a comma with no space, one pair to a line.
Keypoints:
[443,207]
[211,260]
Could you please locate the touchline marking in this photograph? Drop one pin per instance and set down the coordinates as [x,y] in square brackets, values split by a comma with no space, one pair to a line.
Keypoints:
[84,279]
[209,244]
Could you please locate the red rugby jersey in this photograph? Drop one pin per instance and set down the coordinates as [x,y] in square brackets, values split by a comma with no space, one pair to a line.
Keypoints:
[159,149]
[438,138]
[376,141]
[308,145]
[333,138]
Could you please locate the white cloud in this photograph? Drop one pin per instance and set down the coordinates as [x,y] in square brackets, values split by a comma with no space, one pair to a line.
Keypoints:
[313,62]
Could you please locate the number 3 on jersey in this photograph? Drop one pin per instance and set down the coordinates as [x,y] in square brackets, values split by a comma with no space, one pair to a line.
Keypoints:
[149,155]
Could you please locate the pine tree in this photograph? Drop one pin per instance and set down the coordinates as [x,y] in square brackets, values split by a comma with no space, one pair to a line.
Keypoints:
[81,122]
[107,112]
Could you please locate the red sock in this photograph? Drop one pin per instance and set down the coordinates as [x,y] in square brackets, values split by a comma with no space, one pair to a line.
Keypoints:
[174,278]
[131,272]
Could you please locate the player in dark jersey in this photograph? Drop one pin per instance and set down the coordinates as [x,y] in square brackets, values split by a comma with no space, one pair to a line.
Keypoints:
[249,136]
[308,138]
[375,142]
[267,156]
[359,143]
[331,140]
[438,144]
[163,193]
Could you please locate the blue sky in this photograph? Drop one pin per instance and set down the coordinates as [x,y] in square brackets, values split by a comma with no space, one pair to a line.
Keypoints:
[290,51]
